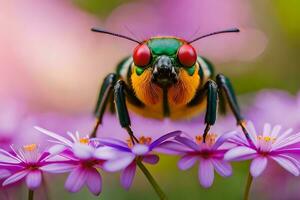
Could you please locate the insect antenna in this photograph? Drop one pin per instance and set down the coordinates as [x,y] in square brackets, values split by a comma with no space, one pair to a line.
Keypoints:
[135,36]
[99,30]
[233,30]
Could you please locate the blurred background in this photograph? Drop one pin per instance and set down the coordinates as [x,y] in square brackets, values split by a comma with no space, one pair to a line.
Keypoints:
[51,67]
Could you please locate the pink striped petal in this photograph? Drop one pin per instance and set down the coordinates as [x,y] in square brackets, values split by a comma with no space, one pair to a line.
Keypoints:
[287,164]
[58,167]
[4,173]
[127,175]
[151,159]
[15,177]
[239,153]
[222,167]
[187,161]
[34,179]
[119,163]
[258,165]
[94,181]
[7,159]
[206,173]
[76,179]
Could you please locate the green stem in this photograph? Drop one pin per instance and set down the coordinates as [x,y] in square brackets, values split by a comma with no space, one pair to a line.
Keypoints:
[30,194]
[152,181]
[248,187]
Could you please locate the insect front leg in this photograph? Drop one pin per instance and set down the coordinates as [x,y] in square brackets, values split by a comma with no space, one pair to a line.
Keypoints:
[227,91]
[211,89]
[103,98]
[120,90]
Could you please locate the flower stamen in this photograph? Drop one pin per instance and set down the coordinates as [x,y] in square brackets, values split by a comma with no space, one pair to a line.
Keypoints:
[209,140]
[30,147]
[84,140]
[142,140]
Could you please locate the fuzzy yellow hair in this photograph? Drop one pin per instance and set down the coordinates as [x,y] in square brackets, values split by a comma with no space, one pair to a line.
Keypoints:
[179,94]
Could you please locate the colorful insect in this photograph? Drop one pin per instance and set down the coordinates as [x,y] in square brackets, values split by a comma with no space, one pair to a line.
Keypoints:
[165,77]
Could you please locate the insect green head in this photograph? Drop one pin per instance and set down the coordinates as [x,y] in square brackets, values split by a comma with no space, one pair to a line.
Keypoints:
[164,56]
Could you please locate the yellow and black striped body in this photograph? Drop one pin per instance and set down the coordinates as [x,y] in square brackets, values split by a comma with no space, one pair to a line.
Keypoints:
[176,99]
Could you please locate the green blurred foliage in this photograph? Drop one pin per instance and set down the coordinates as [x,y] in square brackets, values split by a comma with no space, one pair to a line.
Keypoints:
[99,7]
[289,17]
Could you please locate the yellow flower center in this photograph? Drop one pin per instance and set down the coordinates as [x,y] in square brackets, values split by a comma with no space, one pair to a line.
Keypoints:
[84,140]
[266,138]
[142,140]
[210,139]
[30,147]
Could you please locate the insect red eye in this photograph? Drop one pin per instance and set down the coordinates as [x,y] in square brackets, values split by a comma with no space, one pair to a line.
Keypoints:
[142,55]
[187,55]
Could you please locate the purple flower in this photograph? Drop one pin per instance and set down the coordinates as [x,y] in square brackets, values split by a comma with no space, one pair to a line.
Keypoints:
[27,162]
[209,154]
[124,156]
[272,143]
[84,157]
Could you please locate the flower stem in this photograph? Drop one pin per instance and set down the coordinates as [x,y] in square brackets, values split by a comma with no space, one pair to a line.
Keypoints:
[152,181]
[30,194]
[248,187]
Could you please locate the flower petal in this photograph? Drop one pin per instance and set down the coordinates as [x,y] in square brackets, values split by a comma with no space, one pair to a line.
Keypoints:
[251,130]
[127,175]
[8,159]
[276,131]
[287,141]
[83,151]
[187,161]
[54,135]
[4,173]
[15,177]
[164,138]
[34,179]
[119,163]
[222,167]
[258,165]
[58,167]
[286,164]
[94,181]
[171,147]
[76,179]
[140,149]
[105,153]
[188,142]
[151,159]
[115,144]
[267,129]
[239,153]
[223,138]
[206,173]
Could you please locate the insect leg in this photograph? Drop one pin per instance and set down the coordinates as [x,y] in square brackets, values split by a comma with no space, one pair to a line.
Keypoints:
[121,108]
[104,94]
[211,106]
[228,92]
